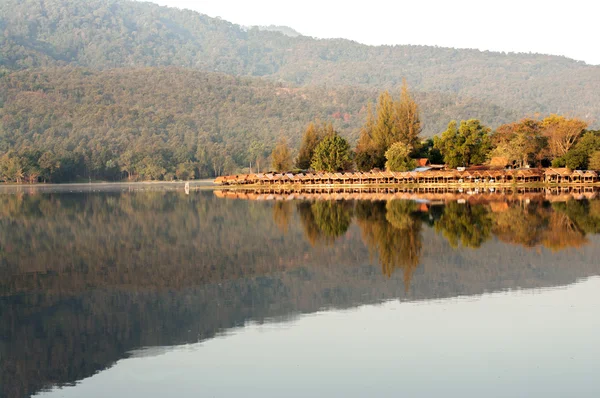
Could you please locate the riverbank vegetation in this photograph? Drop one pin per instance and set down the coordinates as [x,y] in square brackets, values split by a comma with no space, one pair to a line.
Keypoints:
[391,139]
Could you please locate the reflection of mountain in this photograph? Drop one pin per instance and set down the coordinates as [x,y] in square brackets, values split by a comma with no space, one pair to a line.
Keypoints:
[87,278]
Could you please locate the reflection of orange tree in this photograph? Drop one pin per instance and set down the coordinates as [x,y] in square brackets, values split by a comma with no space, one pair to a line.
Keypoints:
[557,227]
[282,213]
[523,225]
[394,232]
[586,214]
[563,231]
[324,221]
[464,223]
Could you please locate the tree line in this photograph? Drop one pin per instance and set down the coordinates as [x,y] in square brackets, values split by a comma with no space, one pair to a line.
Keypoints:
[168,123]
[391,139]
[72,124]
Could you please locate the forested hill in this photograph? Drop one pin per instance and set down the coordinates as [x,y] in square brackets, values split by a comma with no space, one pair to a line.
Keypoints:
[103,34]
[174,116]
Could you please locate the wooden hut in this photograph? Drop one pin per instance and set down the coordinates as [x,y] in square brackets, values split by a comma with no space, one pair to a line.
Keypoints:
[557,175]
[590,176]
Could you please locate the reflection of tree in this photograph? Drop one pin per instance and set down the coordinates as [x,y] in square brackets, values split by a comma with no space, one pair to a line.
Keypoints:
[282,213]
[469,225]
[556,227]
[393,231]
[562,232]
[564,229]
[307,218]
[522,225]
[333,218]
[324,221]
[586,214]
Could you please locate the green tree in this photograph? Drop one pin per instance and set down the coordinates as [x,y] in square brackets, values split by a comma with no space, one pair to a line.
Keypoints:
[578,157]
[332,154]
[281,157]
[594,163]
[398,158]
[467,145]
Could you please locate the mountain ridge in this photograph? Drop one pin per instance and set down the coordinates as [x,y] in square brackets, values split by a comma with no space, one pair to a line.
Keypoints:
[103,34]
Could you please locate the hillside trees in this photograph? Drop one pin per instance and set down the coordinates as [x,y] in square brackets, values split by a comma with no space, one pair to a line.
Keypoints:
[91,33]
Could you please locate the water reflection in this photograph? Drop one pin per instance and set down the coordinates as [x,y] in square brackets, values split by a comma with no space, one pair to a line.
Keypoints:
[392,229]
[87,277]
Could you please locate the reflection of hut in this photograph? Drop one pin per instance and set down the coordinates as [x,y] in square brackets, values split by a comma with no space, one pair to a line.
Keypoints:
[528,175]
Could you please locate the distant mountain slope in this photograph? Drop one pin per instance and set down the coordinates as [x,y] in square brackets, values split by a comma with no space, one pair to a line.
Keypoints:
[286,30]
[116,33]
[67,109]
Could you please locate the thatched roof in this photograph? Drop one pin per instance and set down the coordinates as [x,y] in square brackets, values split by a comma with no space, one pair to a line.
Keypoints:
[499,162]
[561,171]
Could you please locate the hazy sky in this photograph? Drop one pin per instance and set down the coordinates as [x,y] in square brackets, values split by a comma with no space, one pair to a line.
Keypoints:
[567,28]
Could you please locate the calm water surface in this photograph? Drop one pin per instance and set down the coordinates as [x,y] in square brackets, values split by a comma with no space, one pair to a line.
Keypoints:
[138,291]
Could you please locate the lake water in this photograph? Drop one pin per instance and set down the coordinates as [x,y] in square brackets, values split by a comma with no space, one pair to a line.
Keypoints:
[146,291]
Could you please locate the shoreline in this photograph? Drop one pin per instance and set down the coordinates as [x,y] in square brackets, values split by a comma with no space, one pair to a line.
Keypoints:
[303,187]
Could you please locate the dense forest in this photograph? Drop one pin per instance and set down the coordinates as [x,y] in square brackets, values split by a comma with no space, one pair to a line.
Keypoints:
[97,124]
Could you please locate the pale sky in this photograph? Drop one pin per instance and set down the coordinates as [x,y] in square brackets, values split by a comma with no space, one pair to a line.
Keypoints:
[568,28]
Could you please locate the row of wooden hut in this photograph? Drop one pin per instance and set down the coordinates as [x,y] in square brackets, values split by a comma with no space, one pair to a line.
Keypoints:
[441,177]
